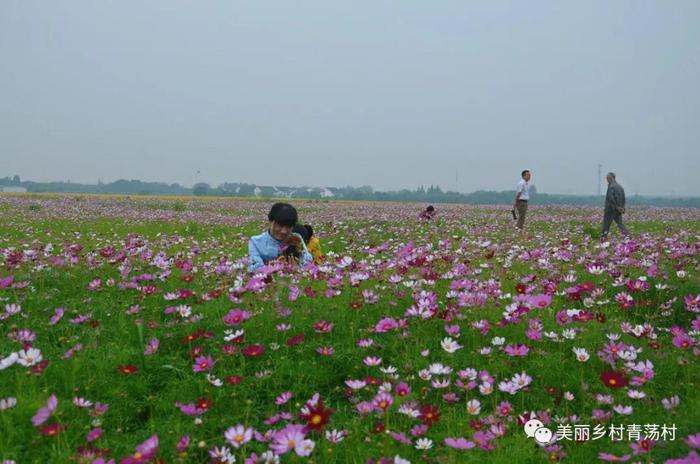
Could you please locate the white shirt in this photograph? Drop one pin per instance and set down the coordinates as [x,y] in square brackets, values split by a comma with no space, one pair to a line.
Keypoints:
[523,189]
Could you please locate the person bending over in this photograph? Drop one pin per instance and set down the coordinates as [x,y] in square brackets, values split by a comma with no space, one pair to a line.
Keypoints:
[427,213]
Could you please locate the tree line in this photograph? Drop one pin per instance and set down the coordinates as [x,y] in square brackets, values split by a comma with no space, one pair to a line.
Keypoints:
[431,194]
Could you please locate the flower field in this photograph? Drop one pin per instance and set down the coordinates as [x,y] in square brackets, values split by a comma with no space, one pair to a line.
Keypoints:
[131,332]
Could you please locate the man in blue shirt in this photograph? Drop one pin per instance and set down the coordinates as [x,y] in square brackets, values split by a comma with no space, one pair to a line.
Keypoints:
[270,245]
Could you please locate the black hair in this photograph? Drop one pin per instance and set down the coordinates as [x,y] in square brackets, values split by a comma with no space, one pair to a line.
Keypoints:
[301,230]
[309,230]
[283,214]
[522,174]
[430,208]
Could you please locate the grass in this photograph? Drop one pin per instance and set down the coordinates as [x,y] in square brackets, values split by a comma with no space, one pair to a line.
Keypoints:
[143,404]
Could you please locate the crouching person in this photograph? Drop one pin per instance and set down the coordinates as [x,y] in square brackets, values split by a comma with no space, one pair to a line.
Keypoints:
[278,242]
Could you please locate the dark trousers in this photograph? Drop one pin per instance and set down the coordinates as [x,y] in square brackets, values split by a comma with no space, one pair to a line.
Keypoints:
[608,218]
[522,211]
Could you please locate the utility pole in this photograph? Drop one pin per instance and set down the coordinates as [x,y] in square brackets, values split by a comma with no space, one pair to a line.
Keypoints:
[456,179]
[600,173]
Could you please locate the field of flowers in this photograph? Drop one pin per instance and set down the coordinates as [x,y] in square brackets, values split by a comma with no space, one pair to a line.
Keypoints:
[130,331]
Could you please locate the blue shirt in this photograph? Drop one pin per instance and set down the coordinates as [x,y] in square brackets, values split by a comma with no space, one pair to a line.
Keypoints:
[263,248]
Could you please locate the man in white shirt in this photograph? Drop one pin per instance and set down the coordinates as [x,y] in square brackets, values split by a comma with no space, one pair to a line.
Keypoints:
[522,195]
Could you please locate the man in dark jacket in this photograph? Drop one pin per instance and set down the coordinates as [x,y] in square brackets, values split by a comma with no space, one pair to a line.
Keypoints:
[614,206]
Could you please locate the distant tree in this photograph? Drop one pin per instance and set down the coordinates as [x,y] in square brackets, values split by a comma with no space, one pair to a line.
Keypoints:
[16,180]
[200,189]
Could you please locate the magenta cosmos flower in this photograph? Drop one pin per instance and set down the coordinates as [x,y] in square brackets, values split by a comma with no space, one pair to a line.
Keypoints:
[517,350]
[236,316]
[144,452]
[386,324]
[203,364]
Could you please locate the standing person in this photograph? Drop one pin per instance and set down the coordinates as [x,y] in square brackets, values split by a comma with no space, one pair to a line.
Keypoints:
[614,206]
[271,244]
[522,195]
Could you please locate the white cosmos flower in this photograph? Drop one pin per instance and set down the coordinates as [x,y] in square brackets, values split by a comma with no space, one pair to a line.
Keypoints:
[7,403]
[304,447]
[388,369]
[636,394]
[450,345]
[473,407]
[8,361]
[581,354]
[440,383]
[29,357]
[438,369]
[184,311]
[424,444]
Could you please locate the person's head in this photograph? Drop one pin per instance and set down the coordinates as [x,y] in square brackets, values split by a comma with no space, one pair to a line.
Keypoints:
[525,175]
[610,177]
[430,209]
[301,230]
[309,231]
[283,217]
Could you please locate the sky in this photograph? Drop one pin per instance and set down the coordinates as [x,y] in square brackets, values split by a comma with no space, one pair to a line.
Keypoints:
[392,94]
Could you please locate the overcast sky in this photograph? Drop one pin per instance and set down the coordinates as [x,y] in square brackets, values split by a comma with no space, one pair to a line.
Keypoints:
[332,93]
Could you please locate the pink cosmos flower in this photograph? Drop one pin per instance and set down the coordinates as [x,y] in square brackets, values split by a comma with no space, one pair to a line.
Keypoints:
[516,350]
[364,407]
[325,350]
[44,413]
[287,439]
[283,398]
[382,401]
[191,409]
[151,347]
[57,316]
[540,301]
[236,316]
[459,443]
[682,341]
[183,444]
[239,435]
[94,434]
[642,446]
[144,452]
[693,440]
[402,389]
[386,324]
[613,458]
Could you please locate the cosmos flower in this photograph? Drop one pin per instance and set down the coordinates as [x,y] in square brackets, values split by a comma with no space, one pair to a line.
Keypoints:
[45,412]
[29,357]
[238,436]
[459,443]
[614,379]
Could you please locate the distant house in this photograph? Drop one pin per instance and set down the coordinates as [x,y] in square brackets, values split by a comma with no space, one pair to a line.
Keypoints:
[15,189]
[326,193]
